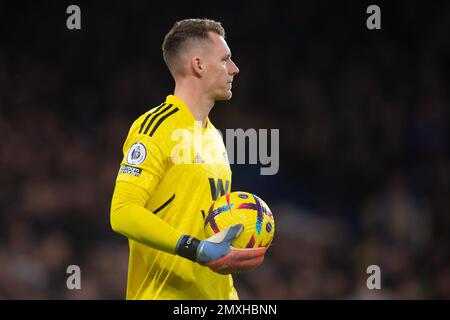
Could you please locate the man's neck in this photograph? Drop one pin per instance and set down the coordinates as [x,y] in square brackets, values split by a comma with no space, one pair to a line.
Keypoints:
[198,103]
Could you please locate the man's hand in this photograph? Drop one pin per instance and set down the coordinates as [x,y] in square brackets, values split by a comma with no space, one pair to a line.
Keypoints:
[217,253]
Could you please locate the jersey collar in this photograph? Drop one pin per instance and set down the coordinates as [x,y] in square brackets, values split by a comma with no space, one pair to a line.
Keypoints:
[172,99]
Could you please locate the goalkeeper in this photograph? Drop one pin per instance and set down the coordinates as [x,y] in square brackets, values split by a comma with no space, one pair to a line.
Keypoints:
[159,202]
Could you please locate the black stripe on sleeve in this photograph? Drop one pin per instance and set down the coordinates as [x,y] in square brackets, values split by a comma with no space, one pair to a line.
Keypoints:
[156,116]
[164,204]
[148,116]
[162,119]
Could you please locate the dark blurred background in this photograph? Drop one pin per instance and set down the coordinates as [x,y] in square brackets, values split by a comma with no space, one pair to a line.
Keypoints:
[364,141]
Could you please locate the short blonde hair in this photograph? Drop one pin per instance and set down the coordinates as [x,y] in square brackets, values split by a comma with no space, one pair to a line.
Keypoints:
[184,31]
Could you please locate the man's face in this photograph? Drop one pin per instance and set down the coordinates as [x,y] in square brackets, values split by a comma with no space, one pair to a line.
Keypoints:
[219,69]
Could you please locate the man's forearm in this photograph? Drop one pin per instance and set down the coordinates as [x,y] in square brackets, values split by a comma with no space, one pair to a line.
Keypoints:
[130,218]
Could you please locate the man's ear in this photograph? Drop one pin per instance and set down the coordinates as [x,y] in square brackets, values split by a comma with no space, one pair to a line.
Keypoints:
[197,66]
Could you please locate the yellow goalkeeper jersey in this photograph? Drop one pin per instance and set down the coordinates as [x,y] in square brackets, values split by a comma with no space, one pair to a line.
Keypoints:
[183,168]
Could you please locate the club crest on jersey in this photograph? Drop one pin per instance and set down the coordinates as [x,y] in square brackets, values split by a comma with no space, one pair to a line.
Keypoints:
[137,154]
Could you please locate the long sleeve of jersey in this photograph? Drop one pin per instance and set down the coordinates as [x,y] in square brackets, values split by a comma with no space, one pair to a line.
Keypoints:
[142,168]
[130,218]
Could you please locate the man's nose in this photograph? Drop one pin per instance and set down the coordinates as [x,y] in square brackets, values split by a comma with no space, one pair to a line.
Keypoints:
[234,68]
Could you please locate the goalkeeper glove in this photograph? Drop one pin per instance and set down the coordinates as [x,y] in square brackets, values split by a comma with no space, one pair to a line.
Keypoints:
[217,253]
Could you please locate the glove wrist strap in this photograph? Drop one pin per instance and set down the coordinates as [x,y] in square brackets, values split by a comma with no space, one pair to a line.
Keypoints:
[187,247]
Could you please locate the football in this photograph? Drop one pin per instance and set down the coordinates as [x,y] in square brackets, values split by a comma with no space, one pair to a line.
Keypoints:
[246,208]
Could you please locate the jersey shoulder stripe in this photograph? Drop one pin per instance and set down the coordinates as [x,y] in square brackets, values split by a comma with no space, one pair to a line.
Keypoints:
[156,115]
[149,114]
[161,120]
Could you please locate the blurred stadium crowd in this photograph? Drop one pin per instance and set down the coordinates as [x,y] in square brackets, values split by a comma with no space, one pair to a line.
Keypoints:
[364,143]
